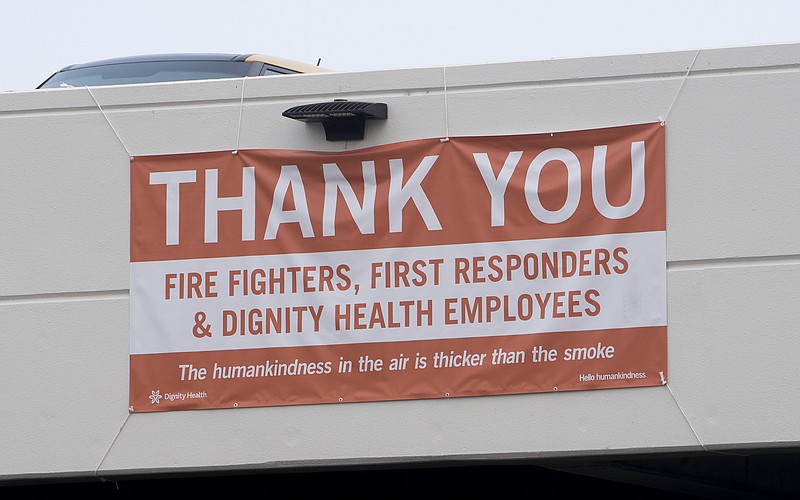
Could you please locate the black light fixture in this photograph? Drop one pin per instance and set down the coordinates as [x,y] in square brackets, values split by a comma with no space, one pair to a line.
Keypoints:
[342,120]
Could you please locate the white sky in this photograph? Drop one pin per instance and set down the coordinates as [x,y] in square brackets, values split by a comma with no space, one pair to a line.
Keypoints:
[38,37]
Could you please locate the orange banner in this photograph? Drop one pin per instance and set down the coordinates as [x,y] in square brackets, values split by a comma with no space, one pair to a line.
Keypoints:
[423,269]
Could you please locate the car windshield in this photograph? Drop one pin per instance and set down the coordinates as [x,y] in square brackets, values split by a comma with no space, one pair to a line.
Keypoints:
[147,72]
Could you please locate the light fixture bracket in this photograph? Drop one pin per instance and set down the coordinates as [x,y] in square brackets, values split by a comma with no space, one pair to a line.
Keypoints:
[342,120]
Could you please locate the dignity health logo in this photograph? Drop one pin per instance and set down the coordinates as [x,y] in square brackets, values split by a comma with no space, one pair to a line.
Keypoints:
[155,397]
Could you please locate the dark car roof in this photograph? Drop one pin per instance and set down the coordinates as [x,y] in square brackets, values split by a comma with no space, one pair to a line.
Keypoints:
[161,57]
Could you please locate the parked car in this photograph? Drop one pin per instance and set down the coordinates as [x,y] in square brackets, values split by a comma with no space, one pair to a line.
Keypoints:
[173,67]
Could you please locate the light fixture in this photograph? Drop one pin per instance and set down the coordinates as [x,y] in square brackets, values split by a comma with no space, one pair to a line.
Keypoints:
[342,120]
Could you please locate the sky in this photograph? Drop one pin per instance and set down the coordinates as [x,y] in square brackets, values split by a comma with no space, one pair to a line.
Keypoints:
[38,37]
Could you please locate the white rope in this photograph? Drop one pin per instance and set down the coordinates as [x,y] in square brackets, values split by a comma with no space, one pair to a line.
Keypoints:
[108,121]
[97,470]
[241,109]
[691,66]
[686,418]
[446,113]
[689,423]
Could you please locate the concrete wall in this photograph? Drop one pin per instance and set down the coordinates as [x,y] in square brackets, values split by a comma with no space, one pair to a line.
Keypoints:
[733,230]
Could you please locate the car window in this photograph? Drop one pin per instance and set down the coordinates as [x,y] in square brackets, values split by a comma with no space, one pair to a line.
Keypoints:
[270,70]
[148,72]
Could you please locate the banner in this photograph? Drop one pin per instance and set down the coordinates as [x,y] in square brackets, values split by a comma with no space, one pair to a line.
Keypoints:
[423,269]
